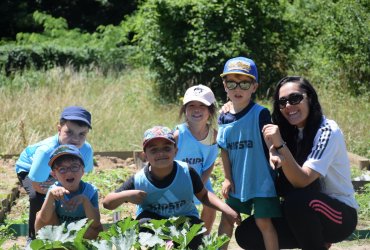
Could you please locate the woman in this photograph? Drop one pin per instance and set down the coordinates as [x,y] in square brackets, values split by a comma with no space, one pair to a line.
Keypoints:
[309,154]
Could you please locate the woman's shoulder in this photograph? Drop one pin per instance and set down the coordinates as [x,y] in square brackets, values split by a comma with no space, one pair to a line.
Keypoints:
[329,125]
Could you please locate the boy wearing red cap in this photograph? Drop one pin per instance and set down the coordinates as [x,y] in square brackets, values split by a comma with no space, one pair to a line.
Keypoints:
[69,199]
[32,166]
[165,188]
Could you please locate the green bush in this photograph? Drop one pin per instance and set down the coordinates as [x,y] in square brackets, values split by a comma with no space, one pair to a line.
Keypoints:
[334,43]
[187,42]
[59,46]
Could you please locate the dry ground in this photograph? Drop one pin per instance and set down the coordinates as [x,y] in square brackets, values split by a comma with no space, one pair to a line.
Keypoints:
[19,208]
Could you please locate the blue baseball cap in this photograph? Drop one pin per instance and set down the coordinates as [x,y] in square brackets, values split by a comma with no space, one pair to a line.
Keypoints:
[158,132]
[241,66]
[65,149]
[76,113]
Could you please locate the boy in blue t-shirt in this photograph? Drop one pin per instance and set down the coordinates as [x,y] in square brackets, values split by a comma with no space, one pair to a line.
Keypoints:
[248,177]
[165,188]
[32,166]
[69,199]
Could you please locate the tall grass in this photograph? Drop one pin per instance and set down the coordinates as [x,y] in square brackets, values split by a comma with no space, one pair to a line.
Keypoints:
[123,106]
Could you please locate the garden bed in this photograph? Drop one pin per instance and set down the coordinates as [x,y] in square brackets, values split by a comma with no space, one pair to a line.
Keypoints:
[109,173]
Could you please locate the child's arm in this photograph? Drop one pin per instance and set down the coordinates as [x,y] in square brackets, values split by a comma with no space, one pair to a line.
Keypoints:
[228,184]
[47,214]
[206,174]
[113,200]
[211,200]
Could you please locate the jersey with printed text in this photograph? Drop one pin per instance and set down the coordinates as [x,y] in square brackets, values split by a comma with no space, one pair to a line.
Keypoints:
[251,173]
[174,200]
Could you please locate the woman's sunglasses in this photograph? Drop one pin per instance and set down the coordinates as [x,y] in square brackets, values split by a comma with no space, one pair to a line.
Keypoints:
[293,99]
[244,85]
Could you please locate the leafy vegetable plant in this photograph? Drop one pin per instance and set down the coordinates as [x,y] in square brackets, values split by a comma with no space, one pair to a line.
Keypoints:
[172,233]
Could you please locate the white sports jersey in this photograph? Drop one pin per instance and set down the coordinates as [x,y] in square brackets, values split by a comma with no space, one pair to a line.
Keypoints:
[329,158]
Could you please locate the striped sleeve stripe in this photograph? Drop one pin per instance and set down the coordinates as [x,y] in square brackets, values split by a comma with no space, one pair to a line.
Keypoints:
[322,143]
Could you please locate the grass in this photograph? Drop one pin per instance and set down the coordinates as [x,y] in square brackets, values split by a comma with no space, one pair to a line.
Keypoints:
[123,106]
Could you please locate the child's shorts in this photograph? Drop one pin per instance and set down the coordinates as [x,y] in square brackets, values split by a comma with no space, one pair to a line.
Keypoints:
[264,207]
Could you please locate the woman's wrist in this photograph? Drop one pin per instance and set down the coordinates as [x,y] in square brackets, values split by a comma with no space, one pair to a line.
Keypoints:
[282,145]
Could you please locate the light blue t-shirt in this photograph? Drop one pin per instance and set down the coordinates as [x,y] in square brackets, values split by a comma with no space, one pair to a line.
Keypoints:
[251,173]
[87,189]
[34,158]
[174,200]
[198,155]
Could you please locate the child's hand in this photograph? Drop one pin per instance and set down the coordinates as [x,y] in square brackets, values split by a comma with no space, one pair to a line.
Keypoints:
[233,217]
[136,196]
[227,186]
[58,193]
[72,204]
[227,107]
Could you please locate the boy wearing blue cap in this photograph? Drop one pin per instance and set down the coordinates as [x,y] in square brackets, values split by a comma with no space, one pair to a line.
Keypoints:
[69,199]
[32,166]
[248,180]
[165,188]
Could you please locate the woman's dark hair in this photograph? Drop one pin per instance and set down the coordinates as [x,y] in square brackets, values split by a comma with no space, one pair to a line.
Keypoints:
[290,132]
[211,110]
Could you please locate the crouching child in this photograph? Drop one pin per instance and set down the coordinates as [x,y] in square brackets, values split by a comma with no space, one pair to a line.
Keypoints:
[164,188]
[69,199]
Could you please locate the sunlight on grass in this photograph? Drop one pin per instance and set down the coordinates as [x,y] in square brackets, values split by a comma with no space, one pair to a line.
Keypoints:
[122,108]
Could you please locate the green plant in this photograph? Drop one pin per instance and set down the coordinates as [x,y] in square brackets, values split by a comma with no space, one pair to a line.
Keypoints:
[363,200]
[187,42]
[125,235]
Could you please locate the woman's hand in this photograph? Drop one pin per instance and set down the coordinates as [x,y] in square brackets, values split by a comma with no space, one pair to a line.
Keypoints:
[272,135]
[275,158]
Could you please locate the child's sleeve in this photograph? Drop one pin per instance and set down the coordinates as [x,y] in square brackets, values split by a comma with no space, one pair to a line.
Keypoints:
[40,169]
[196,180]
[127,185]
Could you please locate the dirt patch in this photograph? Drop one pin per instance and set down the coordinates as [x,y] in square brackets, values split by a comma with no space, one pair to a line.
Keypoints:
[19,208]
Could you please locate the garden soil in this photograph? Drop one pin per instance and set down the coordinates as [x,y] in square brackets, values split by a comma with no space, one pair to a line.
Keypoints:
[19,207]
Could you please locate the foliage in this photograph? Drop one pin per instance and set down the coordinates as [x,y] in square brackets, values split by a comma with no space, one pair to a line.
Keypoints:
[86,15]
[187,42]
[334,43]
[58,45]
[5,233]
[363,200]
[107,180]
[126,234]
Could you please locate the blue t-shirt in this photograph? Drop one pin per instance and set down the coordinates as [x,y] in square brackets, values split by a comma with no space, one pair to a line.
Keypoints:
[174,200]
[251,173]
[87,189]
[198,155]
[34,158]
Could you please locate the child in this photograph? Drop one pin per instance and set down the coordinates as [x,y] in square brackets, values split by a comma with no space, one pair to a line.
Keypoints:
[32,166]
[165,188]
[69,199]
[248,178]
[196,140]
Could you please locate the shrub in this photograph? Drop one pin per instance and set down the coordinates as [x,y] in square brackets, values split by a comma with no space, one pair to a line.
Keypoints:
[334,43]
[187,42]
